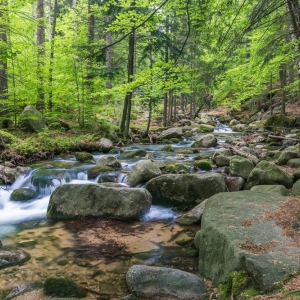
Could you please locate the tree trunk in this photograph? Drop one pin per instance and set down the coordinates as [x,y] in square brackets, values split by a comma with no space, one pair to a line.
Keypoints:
[50,100]
[271,95]
[282,75]
[108,56]
[40,105]
[170,107]
[165,114]
[3,63]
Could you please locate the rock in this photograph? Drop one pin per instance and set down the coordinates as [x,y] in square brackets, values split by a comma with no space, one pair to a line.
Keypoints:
[235,183]
[11,258]
[176,168]
[168,148]
[108,161]
[250,151]
[147,281]
[269,174]
[193,216]
[206,128]
[273,189]
[235,237]
[71,201]
[296,188]
[202,164]
[133,154]
[234,122]
[285,156]
[185,122]
[276,122]
[222,161]
[17,290]
[296,175]
[239,127]
[142,172]
[112,135]
[23,194]
[129,297]
[63,286]
[31,119]
[184,190]
[84,157]
[293,163]
[206,141]
[94,172]
[7,174]
[106,145]
[175,132]
[222,151]
[240,166]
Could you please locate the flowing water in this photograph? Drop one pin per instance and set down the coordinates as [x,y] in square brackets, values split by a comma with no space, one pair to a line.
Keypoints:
[95,253]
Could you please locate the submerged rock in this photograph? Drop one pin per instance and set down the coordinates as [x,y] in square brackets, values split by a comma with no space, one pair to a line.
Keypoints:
[146,281]
[71,201]
[11,258]
[23,194]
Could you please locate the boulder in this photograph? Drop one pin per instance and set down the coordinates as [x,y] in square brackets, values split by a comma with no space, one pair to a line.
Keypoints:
[235,183]
[11,258]
[31,119]
[206,128]
[175,132]
[193,216]
[273,189]
[222,161]
[7,174]
[222,151]
[296,175]
[94,172]
[293,163]
[285,156]
[234,122]
[276,122]
[234,236]
[296,188]
[71,201]
[60,285]
[142,172]
[135,153]
[240,166]
[150,282]
[185,190]
[23,194]
[269,174]
[106,145]
[108,161]
[84,157]
[206,141]
[239,127]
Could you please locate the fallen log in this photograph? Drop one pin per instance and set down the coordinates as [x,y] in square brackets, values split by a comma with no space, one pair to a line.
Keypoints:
[277,137]
[239,152]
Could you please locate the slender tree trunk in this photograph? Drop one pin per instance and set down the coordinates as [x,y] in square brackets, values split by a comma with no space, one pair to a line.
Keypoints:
[165,114]
[52,44]
[271,94]
[108,56]
[3,63]
[170,106]
[40,54]
[174,107]
[282,75]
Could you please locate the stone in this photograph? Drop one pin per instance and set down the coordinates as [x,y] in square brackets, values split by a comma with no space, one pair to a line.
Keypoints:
[31,120]
[285,156]
[234,237]
[185,190]
[106,145]
[273,189]
[296,175]
[269,174]
[12,258]
[84,157]
[222,151]
[133,154]
[235,183]
[108,161]
[206,141]
[142,172]
[296,188]
[193,216]
[60,285]
[94,172]
[7,174]
[71,201]
[206,128]
[23,194]
[222,161]
[234,122]
[175,132]
[202,164]
[148,281]
[240,166]
[293,163]
[276,122]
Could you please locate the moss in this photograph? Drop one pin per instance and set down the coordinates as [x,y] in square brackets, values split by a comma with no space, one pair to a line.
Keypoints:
[185,242]
[203,165]
[166,141]
[132,154]
[175,169]
[185,220]
[62,286]
[168,148]
[277,122]
[95,171]
[84,156]
[175,140]
[188,151]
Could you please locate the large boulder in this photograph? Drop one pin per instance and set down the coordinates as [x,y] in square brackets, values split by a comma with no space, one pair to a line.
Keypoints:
[106,145]
[296,188]
[148,281]
[31,119]
[108,161]
[240,166]
[71,201]
[175,132]
[277,189]
[267,173]
[9,175]
[206,141]
[185,190]
[23,194]
[285,156]
[234,236]
[294,163]
[143,171]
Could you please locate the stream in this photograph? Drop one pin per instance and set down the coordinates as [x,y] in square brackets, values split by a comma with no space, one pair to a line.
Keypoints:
[96,253]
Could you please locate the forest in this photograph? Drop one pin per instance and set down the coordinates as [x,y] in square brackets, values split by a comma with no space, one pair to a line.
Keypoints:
[89,60]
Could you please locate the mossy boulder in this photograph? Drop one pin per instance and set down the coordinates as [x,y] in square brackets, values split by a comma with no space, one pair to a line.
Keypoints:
[23,194]
[168,148]
[269,174]
[12,258]
[222,151]
[95,171]
[296,188]
[188,151]
[240,166]
[175,132]
[31,120]
[204,128]
[277,122]
[108,161]
[63,286]
[133,154]
[177,168]
[84,157]
[296,175]
[206,141]
[222,161]
[175,140]
[203,165]
[294,163]
[273,189]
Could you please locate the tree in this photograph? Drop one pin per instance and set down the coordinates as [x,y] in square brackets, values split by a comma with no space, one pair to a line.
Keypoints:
[3,52]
